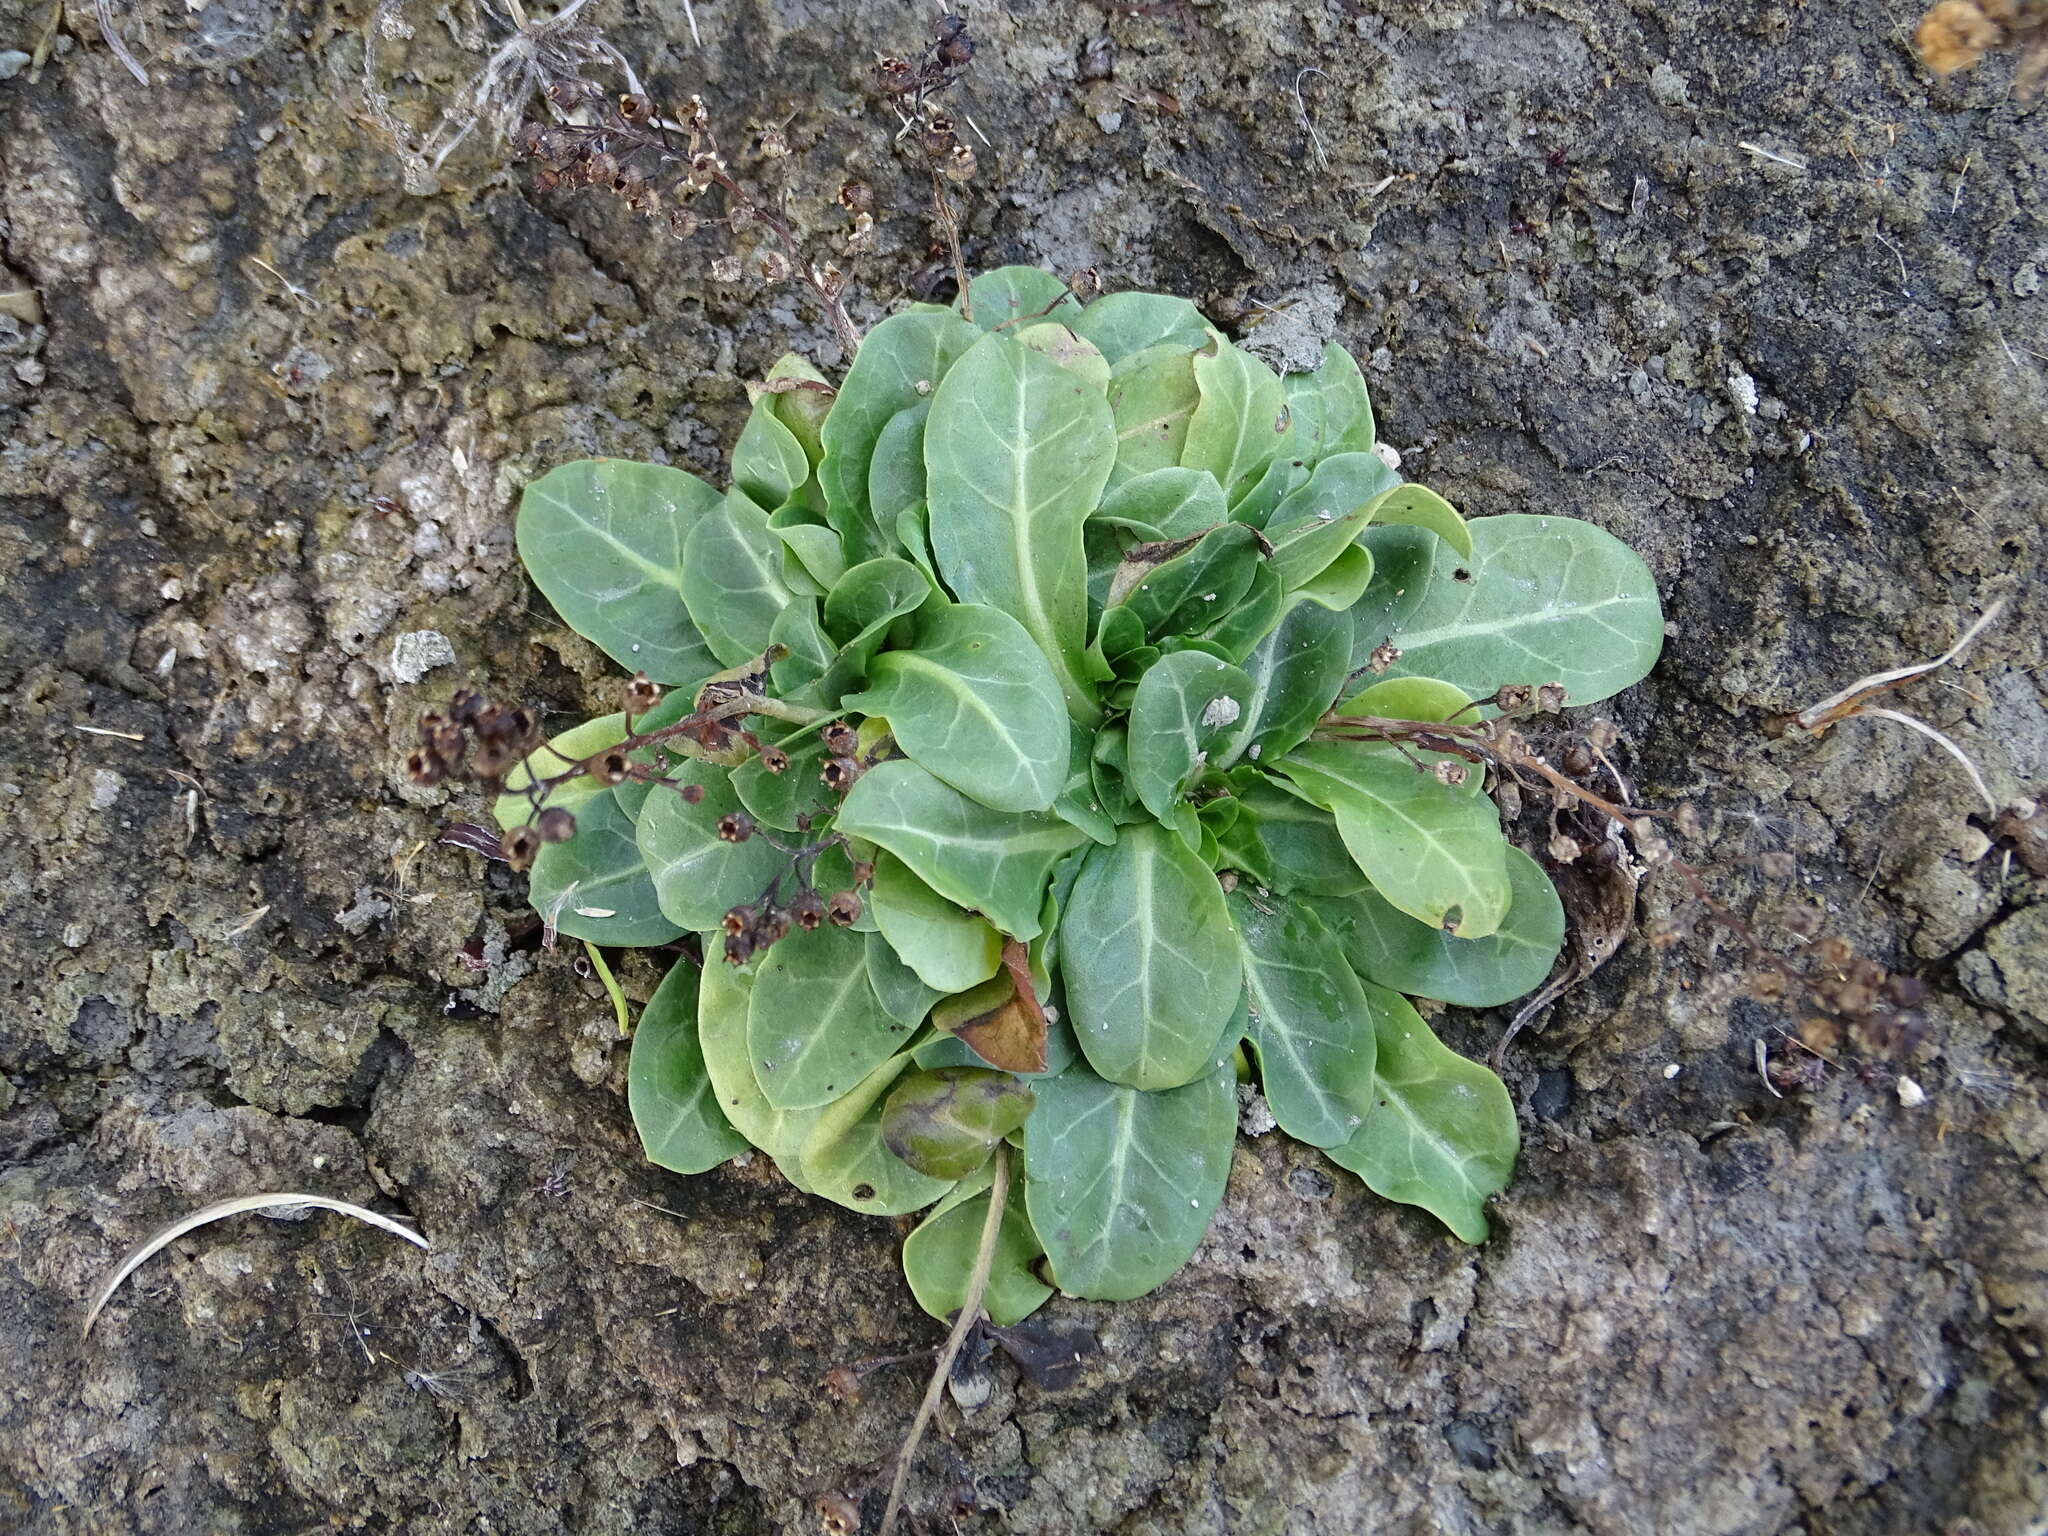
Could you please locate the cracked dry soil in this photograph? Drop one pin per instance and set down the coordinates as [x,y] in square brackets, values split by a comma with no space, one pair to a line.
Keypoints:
[1808,378]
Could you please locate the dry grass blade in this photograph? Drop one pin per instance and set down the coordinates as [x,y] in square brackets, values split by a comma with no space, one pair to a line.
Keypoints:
[1954,751]
[970,1314]
[1818,717]
[104,9]
[164,1236]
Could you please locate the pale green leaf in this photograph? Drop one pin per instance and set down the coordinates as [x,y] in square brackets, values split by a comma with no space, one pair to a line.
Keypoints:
[1434,851]
[845,1159]
[1240,422]
[603,539]
[595,886]
[698,876]
[732,578]
[992,862]
[1151,971]
[1417,506]
[1442,1132]
[675,1108]
[1120,324]
[1053,340]
[939,1257]
[1332,411]
[896,474]
[974,701]
[1017,450]
[1006,296]
[1121,1184]
[1547,599]
[1170,503]
[1308,1019]
[724,998]
[1152,399]
[900,363]
[815,1028]
[949,949]
[768,461]
[1391,948]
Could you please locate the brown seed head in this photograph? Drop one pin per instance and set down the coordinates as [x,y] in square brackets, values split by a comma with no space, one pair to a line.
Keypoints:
[839,738]
[1383,656]
[735,826]
[641,694]
[635,108]
[424,768]
[840,773]
[808,909]
[1550,697]
[555,825]
[520,845]
[737,920]
[774,759]
[895,76]
[608,767]
[843,909]
[959,163]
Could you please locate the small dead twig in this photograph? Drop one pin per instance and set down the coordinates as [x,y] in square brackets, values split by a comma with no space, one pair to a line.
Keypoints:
[1308,123]
[164,1236]
[104,9]
[963,1324]
[1854,700]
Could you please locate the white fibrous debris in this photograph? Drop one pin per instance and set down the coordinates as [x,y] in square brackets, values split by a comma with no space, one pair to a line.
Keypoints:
[417,652]
[1221,710]
[1254,1118]
[1389,455]
[1911,1094]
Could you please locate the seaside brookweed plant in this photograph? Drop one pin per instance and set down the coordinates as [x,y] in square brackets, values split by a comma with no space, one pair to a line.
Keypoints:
[1065,719]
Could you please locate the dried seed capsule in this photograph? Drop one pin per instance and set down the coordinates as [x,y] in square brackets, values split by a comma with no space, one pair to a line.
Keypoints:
[843,909]
[896,76]
[774,759]
[641,694]
[737,920]
[608,767]
[556,825]
[772,926]
[840,773]
[520,845]
[808,909]
[857,197]
[959,164]
[424,769]
[839,738]
[939,136]
[635,108]
[735,826]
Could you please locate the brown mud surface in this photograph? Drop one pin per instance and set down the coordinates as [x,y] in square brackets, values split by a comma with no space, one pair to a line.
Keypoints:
[1737,282]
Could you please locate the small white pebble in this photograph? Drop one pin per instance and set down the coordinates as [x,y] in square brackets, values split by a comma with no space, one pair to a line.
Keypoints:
[1911,1094]
[1672,1071]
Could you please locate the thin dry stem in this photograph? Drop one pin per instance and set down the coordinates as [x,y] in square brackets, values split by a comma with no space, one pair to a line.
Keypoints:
[970,1314]
[163,1236]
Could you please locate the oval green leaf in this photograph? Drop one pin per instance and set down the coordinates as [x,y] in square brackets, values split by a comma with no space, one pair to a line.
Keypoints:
[732,578]
[1282,841]
[604,540]
[1434,851]
[1240,421]
[1309,1024]
[975,702]
[724,997]
[1151,968]
[992,862]
[1549,599]
[675,1108]
[595,886]
[900,363]
[949,949]
[1442,1132]
[697,876]
[1017,451]
[1391,948]
[1121,1184]
[815,1028]
[939,1257]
